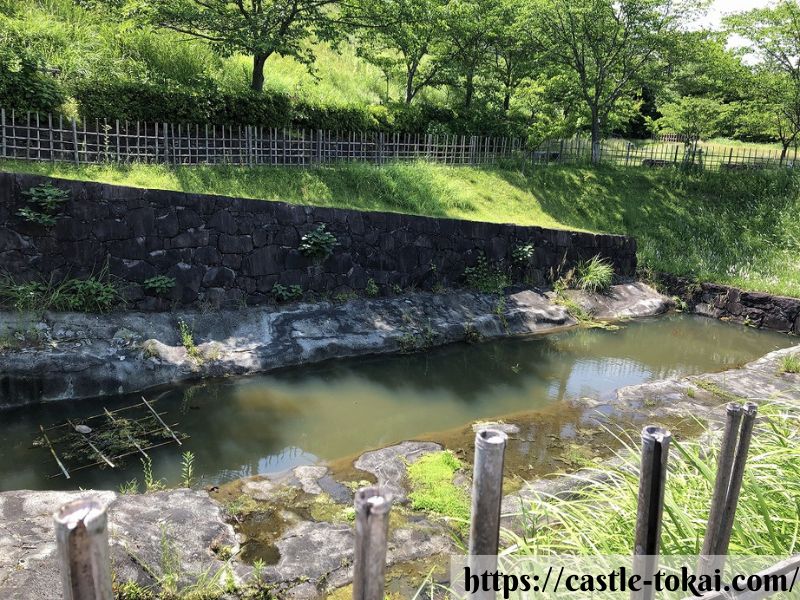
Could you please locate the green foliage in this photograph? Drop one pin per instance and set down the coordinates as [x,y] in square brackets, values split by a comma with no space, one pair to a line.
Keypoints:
[187,340]
[694,118]
[151,484]
[522,255]
[94,294]
[284,293]
[43,203]
[432,487]
[372,289]
[599,519]
[160,285]
[318,243]
[594,275]
[790,363]
[187,469]
[487,278]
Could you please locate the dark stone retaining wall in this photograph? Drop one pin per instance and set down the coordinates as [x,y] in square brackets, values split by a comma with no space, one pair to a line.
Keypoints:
[227,251]
[724,302]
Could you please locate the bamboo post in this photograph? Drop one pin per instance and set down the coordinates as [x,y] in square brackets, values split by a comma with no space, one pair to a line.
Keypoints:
[733,417]
[737,476]
[3,127]
[82,540]
[160,420]
[652,480]
[372,506]
[487,494]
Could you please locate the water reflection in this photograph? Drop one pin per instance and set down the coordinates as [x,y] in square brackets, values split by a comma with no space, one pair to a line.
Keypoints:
[242,427]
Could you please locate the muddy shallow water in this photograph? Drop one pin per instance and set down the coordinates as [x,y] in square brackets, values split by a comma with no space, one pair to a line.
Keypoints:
[265,424]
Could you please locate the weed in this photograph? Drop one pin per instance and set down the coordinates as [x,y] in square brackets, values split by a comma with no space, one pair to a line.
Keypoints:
[372,289]
[522,255]
[342,297]
[318,243]
[95,294]
[691,393]
[159,285]
[471,334]
[500,312]
[130,590]
[129,487]
[790,363]
[594,275]
[241,506]
[283,293]
[151,484]
[397,289]
[187,340]
[43,202]
[490,279]
[417,341]
[187,469]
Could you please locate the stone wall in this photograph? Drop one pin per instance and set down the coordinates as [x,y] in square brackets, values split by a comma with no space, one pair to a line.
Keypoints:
[756,309]
[230,251]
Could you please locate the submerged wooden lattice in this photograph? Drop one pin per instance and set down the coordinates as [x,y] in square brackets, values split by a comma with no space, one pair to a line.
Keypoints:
[105,440]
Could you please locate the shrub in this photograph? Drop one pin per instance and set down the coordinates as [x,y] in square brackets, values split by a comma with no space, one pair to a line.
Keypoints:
[318,243]
[22,84]
[333,118]
[790,363]
[283,293]
[159,285]
[372,289]
[594,275]
[486,278]
[43,202]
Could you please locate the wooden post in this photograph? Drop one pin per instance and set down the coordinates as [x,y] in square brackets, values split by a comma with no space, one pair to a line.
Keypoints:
[652,480]
[737,475]
[166,146]
[75,147]
[487,494]
[82,540]
[733,417]
[372,506]
[3,127]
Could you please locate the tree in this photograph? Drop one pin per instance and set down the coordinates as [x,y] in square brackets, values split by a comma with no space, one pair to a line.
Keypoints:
[259,28]
[774,36]
[405,37]
[611,47]
[695,118]
[514,59]
[772,110]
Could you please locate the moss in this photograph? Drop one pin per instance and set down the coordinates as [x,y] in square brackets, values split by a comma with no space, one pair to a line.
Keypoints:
[713,388]
[431,479]
[324,508]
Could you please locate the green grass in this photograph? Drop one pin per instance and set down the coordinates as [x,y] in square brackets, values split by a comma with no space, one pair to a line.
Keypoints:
[790,363]
[600,519]
[740,228]
[432,486]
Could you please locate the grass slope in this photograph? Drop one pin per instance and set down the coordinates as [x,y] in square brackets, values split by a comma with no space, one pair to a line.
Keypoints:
[738,228]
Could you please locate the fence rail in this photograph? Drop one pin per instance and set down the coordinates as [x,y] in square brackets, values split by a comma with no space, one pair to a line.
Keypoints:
[45,138]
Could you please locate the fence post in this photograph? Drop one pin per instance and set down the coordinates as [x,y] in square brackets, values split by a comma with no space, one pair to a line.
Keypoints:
[652,480]
[733,417]
[487,494]
[3,127]
[372,506]
[82,541]
[75,147]
[737,475]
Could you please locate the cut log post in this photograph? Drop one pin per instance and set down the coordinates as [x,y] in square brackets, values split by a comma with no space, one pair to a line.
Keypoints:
[652,480]
[372,506]
[733,418]
[487,495]
[82,540]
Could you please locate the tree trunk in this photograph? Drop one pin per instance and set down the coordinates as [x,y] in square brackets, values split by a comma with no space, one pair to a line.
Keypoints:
[595,138]
[411,72]
[470,89]
[784,151]
[259,60]
[507,100]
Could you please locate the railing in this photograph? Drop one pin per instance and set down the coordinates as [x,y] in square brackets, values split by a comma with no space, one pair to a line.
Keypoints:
[35,137]
[86,569]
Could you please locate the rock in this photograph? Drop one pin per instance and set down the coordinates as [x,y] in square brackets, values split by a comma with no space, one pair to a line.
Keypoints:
[187,521]
[389,465]
[309,476]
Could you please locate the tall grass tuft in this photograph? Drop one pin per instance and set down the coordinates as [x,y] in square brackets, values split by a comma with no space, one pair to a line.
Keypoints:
[600,518]
[594,275]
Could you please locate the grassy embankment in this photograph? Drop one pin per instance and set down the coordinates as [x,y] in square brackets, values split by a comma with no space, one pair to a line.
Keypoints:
[736,228]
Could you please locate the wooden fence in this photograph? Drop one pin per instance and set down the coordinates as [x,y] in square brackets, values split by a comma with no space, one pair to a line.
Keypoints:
[35,137]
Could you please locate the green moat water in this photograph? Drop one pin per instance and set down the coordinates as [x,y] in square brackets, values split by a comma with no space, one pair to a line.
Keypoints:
[270,423]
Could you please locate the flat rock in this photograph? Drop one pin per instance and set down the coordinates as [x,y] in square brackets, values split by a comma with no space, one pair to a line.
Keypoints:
[389,465]
[188,521]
